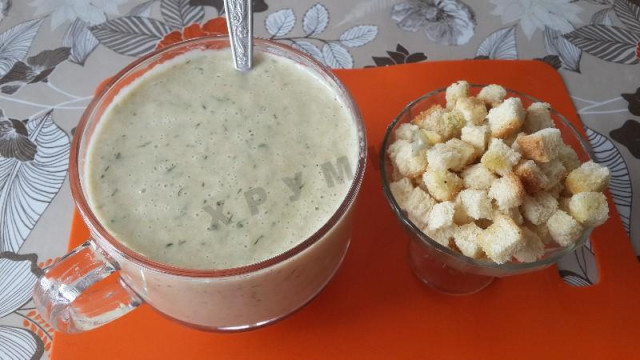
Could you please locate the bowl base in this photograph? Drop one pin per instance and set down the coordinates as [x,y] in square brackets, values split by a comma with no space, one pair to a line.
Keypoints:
[442,277]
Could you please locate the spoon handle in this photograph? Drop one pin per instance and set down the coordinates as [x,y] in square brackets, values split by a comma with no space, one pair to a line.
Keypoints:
[240,25]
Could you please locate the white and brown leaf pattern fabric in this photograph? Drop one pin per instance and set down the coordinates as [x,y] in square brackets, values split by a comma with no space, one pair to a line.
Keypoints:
[53,53]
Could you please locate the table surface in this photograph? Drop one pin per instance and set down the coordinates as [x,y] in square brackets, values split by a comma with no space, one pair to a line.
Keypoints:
[54,53]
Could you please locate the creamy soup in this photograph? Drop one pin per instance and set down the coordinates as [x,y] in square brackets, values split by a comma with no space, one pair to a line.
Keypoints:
[198,165]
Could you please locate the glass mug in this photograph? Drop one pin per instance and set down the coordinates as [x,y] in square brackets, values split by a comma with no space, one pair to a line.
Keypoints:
[102,279]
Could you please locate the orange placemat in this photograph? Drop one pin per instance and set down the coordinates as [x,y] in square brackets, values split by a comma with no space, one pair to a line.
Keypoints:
[376,309]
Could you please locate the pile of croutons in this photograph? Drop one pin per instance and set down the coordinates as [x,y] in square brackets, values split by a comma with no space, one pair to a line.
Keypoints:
[487,178]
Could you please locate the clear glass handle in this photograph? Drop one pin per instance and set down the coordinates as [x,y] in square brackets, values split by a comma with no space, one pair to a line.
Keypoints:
[77,293]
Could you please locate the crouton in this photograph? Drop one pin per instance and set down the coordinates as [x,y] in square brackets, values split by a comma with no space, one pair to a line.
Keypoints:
[406,131]
[401,190]
[477,136]
[451,125]
[442,185]
[466,239]
[501,239]
[538,117]
[541,146]
[455,154]
[456,91]
[564,229]
[460,216]
[555,172]
[514,145]
[408,161]
[556,190]
[531,176]
[475,203]
[492,95]
[589,177]
[418,205]
[506,118]
[507,191]
[442,236]
[500,158]
[533,248]
[441,215]
[430,116]
[542,231]
[513,213]
[568,157]
[563,203]
[430,137]
[537,209]
[443,157]
[467,152]
[477,176]
[472,109]
[444,124]
[589,208]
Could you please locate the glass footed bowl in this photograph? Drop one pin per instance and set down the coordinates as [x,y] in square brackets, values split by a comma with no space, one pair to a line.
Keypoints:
[443,268]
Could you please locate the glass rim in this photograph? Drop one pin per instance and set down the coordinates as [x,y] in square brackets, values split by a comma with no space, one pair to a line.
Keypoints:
[261,45]
[426,240]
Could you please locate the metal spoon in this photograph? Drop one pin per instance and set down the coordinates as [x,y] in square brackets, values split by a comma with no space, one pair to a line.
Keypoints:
[240,26]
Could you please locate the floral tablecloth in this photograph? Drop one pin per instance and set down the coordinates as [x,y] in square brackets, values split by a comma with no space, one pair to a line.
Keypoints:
[53,53]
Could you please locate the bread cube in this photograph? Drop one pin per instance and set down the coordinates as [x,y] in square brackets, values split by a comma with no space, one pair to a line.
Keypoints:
[401,190]
[506,118]
[568,157]
[477,136]
[445,125]
[441,215]
[456,91]
[541,146]
[460,216]
[492,95]
[442,157]
[557,190]
[542,231]
[430,116]
[589,208]
[466,239]
[406,131]
[409,162]
[430,137]
[589,177]
[443,185]
[564,229]
[477,176]
[472,109]
[475,203]
[533,248]
[513,213]
[537,209]
[507,191]
[563,203]
[538,117]
[442,236]
[514,145]
[451,125]
[467,152]
[501,240]
[500,158]
[555,172]
[418,205]
[455,154]
[532,177]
